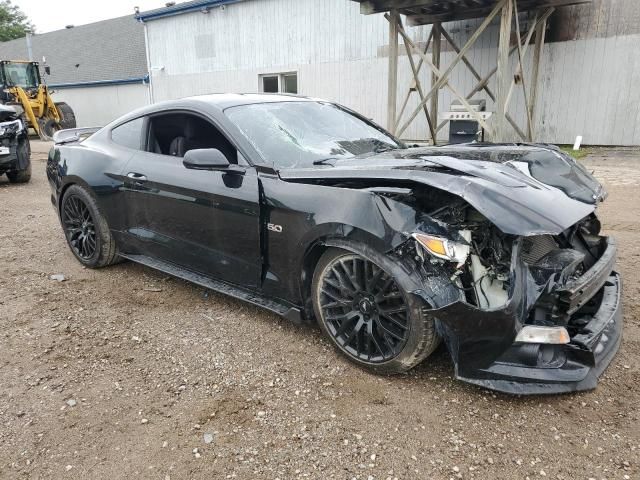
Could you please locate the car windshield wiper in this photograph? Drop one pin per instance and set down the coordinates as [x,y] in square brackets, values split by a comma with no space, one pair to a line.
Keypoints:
[384,147]
[323,161]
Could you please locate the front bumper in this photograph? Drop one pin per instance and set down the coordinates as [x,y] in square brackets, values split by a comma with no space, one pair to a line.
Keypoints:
[482,344]
[543,369]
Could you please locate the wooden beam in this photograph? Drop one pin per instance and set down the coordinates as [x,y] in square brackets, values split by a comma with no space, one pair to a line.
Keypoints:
[468,13]
[503,79]
[426,49]
[486,79]
[443,78]
[541,29]
[411,86]
[392,86]
[435,59]
[441,75]
[522,52]
[416,79]
[483,83]
[521,70]
[379,6]
[469,65]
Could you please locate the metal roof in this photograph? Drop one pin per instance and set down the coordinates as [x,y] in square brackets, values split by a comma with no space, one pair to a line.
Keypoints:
[106,52]
[180,8]
[423,12]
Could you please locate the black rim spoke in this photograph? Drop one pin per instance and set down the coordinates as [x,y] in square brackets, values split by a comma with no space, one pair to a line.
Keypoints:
[363,309]
[79,227]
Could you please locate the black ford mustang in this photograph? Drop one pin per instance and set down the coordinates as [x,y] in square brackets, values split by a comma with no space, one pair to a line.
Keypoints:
[309,210]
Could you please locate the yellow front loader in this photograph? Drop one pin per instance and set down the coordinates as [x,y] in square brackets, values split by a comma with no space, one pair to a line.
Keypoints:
[22,87]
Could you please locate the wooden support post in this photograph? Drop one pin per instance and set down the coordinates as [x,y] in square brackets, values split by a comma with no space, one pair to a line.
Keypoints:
[411,86]
[416,82]
[523,79]
[435,59]
[392,88]
[537,59]
[503,74]
[443,77]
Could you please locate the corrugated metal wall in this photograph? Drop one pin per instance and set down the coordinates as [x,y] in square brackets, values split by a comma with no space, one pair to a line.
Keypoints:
[588,85]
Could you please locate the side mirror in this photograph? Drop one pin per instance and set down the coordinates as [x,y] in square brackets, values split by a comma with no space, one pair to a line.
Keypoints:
[47,70]
[205,159]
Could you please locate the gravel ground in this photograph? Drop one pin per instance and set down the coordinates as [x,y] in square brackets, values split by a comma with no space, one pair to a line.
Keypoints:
[125,372]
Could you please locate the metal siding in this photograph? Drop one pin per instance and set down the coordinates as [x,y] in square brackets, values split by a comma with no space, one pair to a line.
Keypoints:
[588,86]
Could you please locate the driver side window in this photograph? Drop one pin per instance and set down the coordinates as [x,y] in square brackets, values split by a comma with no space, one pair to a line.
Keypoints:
[176,133]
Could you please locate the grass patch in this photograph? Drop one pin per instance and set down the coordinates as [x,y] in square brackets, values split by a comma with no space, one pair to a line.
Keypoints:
[579,154]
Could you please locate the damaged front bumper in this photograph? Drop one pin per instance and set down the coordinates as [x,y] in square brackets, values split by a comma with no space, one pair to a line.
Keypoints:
[10,135]
[482,342]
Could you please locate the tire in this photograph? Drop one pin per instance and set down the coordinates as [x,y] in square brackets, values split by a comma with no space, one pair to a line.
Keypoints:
[23,175]
[86,230]
[48,128]
[68,118]
[341,305]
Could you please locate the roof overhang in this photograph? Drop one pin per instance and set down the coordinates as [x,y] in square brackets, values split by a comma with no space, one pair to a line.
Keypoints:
[424,12]
[102,83]
[180,8]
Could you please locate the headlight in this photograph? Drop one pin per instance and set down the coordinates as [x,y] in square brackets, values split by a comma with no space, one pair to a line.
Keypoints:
[10,128]
[444,248]
[540,334]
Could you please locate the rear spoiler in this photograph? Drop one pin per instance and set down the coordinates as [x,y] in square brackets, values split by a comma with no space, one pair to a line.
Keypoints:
[72,135]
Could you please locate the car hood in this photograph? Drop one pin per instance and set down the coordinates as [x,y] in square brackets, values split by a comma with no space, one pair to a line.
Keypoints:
[523,190]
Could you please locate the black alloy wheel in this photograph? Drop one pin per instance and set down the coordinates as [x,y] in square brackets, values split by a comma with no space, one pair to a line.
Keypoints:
[363,309]
[79,227]
[86,230]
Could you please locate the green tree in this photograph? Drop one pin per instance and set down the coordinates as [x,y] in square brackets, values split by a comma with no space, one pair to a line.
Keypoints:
[13,22]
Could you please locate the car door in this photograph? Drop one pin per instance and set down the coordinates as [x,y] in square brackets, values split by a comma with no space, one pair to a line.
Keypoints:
[204,221]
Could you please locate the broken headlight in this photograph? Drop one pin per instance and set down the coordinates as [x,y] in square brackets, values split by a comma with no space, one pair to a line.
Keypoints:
[10,128]
[444,248]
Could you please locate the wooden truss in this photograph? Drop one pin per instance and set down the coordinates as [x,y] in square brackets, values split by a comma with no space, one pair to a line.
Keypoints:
[507,79]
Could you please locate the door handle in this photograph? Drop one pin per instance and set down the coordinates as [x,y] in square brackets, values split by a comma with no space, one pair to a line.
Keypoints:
[138,178]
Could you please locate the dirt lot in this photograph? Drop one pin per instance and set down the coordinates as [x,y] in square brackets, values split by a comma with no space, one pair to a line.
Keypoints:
[123,373]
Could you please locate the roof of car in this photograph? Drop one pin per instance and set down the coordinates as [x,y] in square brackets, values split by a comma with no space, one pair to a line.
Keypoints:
[224,100]
[213,102]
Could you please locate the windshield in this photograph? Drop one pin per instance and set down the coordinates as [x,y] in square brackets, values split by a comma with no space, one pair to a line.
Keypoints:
[24,75]
[297,134]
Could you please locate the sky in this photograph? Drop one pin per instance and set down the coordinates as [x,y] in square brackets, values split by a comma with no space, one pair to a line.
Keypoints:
[49,15]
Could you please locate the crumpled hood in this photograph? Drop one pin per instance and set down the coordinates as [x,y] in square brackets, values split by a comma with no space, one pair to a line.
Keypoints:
[523,190]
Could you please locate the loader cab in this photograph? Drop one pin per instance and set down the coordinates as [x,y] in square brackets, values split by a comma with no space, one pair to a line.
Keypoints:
[20,74]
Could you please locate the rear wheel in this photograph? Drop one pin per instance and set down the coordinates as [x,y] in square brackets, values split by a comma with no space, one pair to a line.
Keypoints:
[369,317]
[68,118]
[86,230]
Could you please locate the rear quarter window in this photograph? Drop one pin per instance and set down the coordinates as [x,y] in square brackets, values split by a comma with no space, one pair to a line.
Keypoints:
[129,134]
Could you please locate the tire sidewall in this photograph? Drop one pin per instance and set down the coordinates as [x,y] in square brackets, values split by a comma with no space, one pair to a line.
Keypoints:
[417,322]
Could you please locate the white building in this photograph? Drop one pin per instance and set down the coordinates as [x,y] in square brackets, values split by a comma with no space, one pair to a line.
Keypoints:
[99,69]
[327,49]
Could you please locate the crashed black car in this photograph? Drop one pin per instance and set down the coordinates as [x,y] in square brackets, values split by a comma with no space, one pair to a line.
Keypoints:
[310,210]
[15,150]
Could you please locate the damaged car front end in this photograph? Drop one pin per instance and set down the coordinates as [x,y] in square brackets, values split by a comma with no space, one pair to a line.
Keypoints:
[537,314]
[531,301]
[539,308]
[14,146]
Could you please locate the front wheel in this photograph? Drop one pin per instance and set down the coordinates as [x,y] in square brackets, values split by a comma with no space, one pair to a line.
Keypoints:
[20,176]
[363,309]
[86,230]
[23,174]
